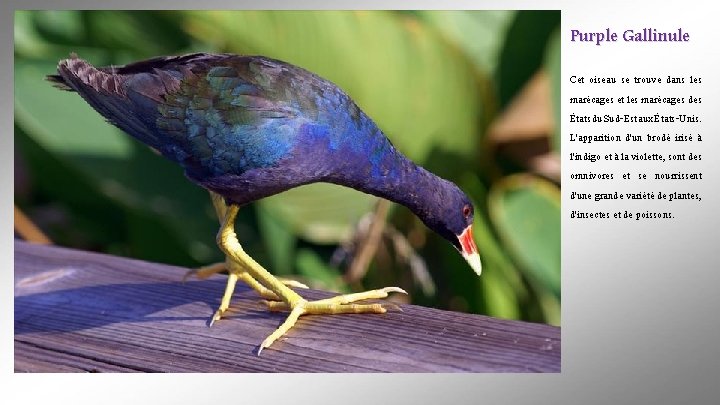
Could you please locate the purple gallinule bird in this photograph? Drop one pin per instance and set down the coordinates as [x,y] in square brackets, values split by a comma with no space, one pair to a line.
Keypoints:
[247,127]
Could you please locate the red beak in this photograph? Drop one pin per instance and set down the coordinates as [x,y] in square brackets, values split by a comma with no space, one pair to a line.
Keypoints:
[469,250]
[467,242]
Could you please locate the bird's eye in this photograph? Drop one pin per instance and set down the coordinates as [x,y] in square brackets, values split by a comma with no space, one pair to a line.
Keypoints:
[467,210]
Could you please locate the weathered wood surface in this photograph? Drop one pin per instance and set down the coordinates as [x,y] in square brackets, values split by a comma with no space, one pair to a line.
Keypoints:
[80,311]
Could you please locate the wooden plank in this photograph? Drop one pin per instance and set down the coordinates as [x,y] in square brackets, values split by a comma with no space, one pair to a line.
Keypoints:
[80,311]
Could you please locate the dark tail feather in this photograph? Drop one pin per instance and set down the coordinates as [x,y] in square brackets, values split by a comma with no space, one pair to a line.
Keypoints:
[58,82]
[109,93]
[81,76]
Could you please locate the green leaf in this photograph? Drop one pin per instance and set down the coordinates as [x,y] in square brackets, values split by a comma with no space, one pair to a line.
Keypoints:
[26,38]
[550,306]
[500,298]
[419,90]
[120,168]
[51,35]
[60,26]
[140,34]
[552,66]
[480,34]
[525,209]
[90,212]
[319,274]
[278,238]
[54,117]
[321,213]
[523,51]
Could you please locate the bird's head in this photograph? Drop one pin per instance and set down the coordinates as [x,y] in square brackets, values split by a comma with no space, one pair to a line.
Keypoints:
[453,220]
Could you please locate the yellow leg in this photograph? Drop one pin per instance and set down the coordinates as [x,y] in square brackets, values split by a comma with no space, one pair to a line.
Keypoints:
[235,269]
[289,299]
[225,301]
[233,276]
[230,287]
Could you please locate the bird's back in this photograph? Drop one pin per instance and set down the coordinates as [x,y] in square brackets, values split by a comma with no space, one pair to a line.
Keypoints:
[213,114]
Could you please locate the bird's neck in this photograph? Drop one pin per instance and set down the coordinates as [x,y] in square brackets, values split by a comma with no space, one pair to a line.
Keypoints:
[395,178]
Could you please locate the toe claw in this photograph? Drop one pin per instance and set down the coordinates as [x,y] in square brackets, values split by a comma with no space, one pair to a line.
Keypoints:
[394,289]
[294,284]
[265,343]
[274,305]
[216,317]
[187,274]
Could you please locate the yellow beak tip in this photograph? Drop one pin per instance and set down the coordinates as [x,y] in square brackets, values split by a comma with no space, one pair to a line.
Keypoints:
[473,260]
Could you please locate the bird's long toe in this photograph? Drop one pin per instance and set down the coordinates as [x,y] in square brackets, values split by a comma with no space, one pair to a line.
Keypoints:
[290,321]
[313,308]
[204,272]
[292,283]
[365,295]
[340,303]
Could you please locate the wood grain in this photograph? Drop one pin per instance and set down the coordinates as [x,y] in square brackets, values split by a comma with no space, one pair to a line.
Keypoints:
[89,312]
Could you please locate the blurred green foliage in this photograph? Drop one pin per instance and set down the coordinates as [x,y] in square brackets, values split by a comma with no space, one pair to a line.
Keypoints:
[432,80]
